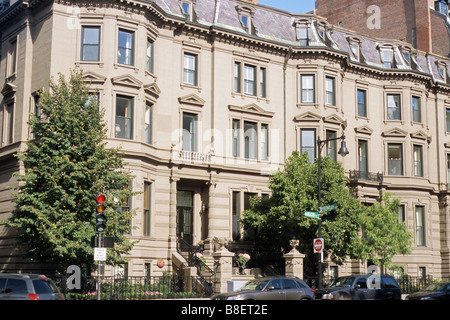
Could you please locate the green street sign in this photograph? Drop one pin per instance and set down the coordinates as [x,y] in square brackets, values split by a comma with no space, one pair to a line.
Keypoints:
[312,214]
[329,207]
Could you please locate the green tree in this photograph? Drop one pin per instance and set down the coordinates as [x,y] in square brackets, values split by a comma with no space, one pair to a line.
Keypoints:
[383,236]
[66,166]
[294,191]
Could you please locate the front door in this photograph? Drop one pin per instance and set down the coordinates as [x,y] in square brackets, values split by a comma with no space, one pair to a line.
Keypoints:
[184,218]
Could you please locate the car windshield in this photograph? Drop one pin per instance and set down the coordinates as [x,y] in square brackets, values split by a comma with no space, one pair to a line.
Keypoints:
[257,285]
[436,287]
[342,282]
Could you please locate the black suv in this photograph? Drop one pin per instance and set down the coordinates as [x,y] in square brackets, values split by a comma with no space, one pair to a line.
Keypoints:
[362,287]
[18,286]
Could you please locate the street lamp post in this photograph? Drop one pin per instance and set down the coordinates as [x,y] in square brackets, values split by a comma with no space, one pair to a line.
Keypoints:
[343,151]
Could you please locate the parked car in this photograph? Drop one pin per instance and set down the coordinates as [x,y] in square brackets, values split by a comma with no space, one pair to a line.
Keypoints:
[270,288]
[435,291]
[18,286]
[361,287]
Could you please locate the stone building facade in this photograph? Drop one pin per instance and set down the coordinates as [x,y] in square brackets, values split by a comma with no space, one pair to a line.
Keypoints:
[207,98]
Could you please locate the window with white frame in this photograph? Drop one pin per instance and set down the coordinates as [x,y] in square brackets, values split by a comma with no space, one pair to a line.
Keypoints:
[303,35]
[187,9]
[190,127]
[90,43]
[393,102]
[251,77]
[190,69]
[330,91]
[420,226]
[125,53]
[148,122]
[387,57]
[418,160]
[416,109]
[308,143]
[124,117]
[253,137]
[395,159]
[149,60]
[307,88]
[363,163]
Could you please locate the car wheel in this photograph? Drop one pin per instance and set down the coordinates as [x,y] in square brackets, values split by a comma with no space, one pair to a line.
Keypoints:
[343,296]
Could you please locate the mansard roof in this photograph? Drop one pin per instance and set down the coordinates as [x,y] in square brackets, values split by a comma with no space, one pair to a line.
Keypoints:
[276,27]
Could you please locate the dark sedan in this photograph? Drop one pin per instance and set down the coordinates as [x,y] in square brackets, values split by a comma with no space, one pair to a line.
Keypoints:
[435,291]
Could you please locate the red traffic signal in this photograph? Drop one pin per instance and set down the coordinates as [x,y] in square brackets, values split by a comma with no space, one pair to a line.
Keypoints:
[100,218]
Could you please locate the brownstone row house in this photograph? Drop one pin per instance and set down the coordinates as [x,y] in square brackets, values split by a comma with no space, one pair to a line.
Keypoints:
[208,97]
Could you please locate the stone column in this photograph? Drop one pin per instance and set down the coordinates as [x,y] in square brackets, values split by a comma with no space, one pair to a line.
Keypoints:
[173,214]
[294,261]
[223,262]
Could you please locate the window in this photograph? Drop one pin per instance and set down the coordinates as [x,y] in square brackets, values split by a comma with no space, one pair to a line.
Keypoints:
[448,171]
[447,118]
[190,69]
[149,56]
[262,82]
[393,107]
[147,206]
[148,122]
[441,6]
[418,160]
[126,47]
[264,141]
[237,77]
[355,50]
[236,137]
[416,109]
[245,20]
[420,226]
[330,95]
[387,58]
[395,159]
[307,88]
[124,117]
[8,123]
[190,131]
[186,7]
[362,103]
[331,145]
[308,143]
[250,140]
[12,57]
[254,79]
[362,157]
[90,44]
[401,213]
[303,36]
[236,215]
[250,80]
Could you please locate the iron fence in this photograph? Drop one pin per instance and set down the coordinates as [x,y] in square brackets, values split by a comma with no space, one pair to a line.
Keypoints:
[138,288]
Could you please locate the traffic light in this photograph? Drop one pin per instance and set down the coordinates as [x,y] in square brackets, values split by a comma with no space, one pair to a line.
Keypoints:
[100,218]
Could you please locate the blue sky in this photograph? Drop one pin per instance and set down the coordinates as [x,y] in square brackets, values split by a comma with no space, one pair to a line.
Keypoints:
[293,6]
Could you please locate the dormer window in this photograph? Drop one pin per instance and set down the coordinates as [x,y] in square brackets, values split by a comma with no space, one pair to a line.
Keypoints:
[441,6]
[355,47]
[245,18]
[187,9]
[442,67]
[387,58]
[245,22]
[302,31]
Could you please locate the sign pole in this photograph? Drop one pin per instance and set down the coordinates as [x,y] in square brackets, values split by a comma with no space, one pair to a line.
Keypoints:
[99,289]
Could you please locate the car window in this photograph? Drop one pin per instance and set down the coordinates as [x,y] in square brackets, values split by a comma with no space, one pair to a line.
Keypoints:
[2,284]
[43,286]
[275,283]
[390,283]
[301,284]
[289,284]
[16,286]
[362,282]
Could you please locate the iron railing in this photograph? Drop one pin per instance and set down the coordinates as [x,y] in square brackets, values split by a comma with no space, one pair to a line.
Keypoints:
[168,286]
[365,175]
